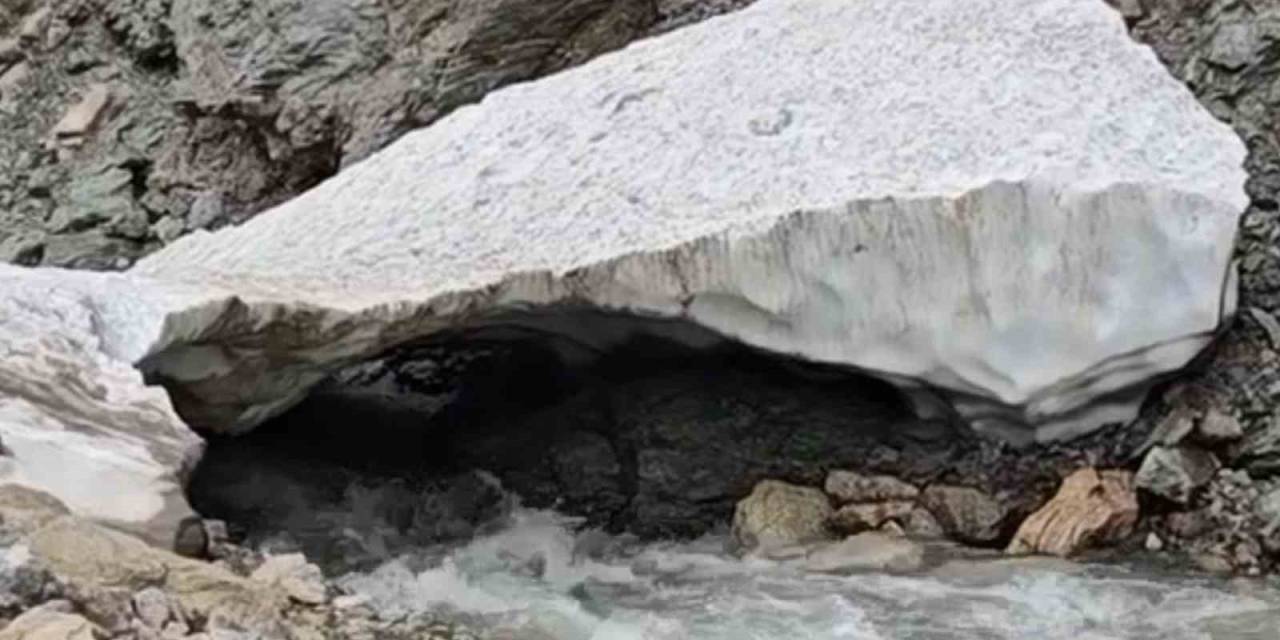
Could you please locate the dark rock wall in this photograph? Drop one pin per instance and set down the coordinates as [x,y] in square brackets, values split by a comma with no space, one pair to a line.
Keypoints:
[1228,54]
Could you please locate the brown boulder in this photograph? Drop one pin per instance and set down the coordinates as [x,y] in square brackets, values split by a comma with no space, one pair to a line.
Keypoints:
[778,514]
[23,509]
[105,567]
[966,514]
[45,624]
[1092,508]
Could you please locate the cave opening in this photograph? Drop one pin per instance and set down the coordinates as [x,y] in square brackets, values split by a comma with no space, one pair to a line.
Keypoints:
[653,429]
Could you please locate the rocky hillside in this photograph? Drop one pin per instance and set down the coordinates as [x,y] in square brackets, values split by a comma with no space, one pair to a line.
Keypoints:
[127,123]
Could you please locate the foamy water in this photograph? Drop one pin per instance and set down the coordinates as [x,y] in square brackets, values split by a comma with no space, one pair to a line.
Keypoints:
[527,582]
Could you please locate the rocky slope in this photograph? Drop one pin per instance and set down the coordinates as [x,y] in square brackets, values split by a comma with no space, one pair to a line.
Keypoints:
[125,124]
[1223,414]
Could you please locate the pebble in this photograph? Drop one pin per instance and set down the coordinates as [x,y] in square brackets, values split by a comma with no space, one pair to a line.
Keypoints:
[1154,543]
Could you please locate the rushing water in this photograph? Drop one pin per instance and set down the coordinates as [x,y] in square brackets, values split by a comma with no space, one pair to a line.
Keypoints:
[533,580]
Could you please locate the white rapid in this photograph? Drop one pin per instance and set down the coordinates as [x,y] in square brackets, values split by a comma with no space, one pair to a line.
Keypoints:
[534,580]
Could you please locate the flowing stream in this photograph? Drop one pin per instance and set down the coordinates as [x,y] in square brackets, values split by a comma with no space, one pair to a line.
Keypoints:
[536,579]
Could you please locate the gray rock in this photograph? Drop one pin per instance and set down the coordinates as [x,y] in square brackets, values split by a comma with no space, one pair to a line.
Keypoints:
[1128,8]
[921,524]
[95,198]
[207,210]
[848,487]
[1259,450]
[168,229]
[1153,543]
[777,514]
[93,249]
[1219,426]
[81,119]
[42,624]
[967,514]
[1235,45]
[859,517]
[866,552]
[1172,429]
[1175,473]
[191,539]
[1269,325]
[24,248]
[300,580]
[23,509]
[1267,508]
[153,608]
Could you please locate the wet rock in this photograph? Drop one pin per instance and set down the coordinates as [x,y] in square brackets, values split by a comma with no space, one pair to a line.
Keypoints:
[43,624]
[866,552]
[921,524]
[856,518]
[291,573]
[24,584]
[191,540]
[1213,563]
[966,514]
[780,514]
[1092,508]
[104,568]
[1153,543]
[1175,473]
[24,509]
[848,487]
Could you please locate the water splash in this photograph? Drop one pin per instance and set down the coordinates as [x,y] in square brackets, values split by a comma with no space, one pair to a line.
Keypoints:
[537,579]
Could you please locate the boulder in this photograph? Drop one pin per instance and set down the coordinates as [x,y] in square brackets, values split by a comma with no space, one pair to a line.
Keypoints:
[153,607]
[80,120]
[1175,473]
[966,514]
[293,575]
[921,524]
[777,514]
[866,552]
[104,568]
[24,509]
[1218,426]
[847,487]
[856,518]
[1259,450]
[1092,508]
[43,624]
[1022,241]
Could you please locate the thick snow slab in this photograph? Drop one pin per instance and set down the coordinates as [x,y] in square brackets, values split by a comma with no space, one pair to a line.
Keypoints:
[1006,201]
